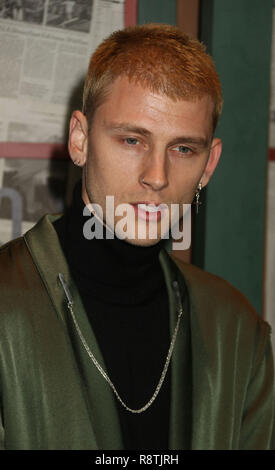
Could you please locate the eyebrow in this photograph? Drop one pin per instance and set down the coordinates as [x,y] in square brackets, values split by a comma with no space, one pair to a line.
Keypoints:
[199,141]
[126,127]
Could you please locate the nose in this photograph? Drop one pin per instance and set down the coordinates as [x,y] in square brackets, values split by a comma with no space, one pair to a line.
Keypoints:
[154,174]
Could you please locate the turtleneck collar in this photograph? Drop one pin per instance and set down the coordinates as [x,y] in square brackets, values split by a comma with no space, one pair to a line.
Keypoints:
[112,269]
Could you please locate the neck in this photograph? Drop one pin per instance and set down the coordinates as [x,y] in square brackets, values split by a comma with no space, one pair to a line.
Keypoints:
[113,265]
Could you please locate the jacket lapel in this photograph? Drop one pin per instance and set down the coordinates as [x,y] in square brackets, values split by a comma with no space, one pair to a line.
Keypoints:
[44,246]
[181,361]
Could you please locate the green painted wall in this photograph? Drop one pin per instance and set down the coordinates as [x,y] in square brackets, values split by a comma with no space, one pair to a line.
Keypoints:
[230,234]
[157,11]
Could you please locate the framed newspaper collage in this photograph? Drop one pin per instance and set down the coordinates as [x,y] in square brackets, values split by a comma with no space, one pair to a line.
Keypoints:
[45,46]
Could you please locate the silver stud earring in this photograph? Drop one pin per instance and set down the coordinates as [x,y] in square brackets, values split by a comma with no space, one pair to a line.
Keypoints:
[197,198]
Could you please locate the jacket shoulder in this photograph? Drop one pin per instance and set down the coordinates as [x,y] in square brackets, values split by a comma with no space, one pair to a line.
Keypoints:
[16,267]
[11,255]
[219,311]
[212,290]
[17,260]
[216,297]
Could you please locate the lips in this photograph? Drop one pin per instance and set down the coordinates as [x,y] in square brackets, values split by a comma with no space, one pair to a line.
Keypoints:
[148,210]
[149,207]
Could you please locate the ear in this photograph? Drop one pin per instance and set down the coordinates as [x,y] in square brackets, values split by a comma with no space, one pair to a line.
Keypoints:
[78,138]
[213,160]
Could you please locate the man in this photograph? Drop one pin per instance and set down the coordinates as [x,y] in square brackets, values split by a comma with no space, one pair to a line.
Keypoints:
[105,342]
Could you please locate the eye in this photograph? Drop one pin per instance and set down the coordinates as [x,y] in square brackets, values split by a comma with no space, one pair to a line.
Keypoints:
[182,149]
[131,141]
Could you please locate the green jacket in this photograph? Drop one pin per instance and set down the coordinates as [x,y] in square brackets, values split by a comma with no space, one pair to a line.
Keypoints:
[53,397]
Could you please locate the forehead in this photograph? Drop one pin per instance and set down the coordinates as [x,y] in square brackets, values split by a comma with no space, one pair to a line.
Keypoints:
[133,104]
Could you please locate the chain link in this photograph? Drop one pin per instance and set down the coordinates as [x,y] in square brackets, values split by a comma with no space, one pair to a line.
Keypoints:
[102,371]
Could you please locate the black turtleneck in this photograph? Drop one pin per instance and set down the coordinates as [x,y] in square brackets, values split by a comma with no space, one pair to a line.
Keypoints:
[124,294]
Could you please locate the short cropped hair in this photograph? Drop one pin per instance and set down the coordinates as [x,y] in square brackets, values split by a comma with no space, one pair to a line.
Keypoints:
[157,56]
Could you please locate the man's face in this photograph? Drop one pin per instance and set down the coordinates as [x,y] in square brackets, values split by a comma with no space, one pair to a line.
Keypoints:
[144,148]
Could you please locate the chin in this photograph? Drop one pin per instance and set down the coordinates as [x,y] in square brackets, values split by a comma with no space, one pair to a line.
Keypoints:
[139,242]
[142,237]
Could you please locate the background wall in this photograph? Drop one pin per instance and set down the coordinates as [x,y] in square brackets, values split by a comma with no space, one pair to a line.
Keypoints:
[157,11]
[238,35]
[269,274]
[230,229]
[45,48]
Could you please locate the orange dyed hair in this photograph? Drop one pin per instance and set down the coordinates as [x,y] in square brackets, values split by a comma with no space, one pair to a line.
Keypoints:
[157,56]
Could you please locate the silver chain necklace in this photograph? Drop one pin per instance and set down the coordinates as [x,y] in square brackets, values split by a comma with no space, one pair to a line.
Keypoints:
[98,366]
